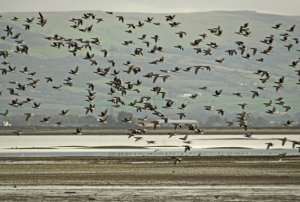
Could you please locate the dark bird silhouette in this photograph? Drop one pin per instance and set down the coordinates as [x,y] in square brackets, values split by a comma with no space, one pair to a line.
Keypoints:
[184,138]
[49,79]
[172,134]
[194,96]
[269,144]
[75,71]
[243,105]
[182,106]
[280,83]
[277,26]
[90,108]
[87,29]
[238,94]
[217,93]
[15,18]
[149,19]
[26,26]
[187,148]
[120,18]
[4,113]
[42,21]
[230,123]
[170,17]
[177,125]
[203,88]
[138,138]
[59,87]
[231,52]
[220,111]
[181,34]
[254,94]
[140,24]
[287,108]
[288,123]
[78,131]
[289,46]
[155,37]
[260,60]
[248,135]
[296,40]
[29,20]
[36,105]
[130,25]
[283,140]
[291,29]
[64,112]
[176,160]
[8,30]
[18,132]
[198,131]
[181,115]
[45,119]
[209,108]
[294,63]
[272,111]
[220,60]
[27,116]
[268,50]
[127,120]
[294,143]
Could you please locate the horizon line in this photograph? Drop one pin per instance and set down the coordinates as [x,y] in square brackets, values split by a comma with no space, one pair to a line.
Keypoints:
[155,13]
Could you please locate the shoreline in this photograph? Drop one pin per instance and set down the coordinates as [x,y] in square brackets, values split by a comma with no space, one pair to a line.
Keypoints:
[159,158]
[27,131]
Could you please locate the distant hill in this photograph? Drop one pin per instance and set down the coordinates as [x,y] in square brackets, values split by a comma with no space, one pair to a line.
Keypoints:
[235,74]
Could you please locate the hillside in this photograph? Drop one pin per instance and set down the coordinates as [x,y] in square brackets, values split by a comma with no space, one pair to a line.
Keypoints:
[235,74]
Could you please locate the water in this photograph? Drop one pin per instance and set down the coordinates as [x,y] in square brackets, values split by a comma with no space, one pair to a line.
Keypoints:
[121,145]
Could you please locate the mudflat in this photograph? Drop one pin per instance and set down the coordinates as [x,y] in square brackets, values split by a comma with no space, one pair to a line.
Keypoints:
[150,171]
[150,178]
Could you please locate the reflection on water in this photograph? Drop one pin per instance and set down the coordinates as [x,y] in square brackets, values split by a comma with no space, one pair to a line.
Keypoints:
[121,145]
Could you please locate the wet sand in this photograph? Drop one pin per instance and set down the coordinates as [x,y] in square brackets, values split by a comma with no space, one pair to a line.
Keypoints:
[205,178]
[150,193]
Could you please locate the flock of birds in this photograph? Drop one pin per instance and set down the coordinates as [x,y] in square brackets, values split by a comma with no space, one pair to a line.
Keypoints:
[119,89]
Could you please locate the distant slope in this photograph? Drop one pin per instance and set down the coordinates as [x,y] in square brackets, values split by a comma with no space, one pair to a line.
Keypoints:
[234,75]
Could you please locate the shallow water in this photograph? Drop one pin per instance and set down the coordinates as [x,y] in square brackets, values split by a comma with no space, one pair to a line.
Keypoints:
[121,145]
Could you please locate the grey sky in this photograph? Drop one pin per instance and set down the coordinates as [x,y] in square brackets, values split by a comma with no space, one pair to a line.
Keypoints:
[285,7]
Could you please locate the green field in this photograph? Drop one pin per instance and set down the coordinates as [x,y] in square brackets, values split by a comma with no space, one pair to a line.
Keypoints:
[234,75]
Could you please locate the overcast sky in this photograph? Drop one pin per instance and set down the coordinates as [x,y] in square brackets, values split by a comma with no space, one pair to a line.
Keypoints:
[285,7]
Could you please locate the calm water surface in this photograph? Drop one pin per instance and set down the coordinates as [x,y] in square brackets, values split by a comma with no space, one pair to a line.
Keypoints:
[121,145]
